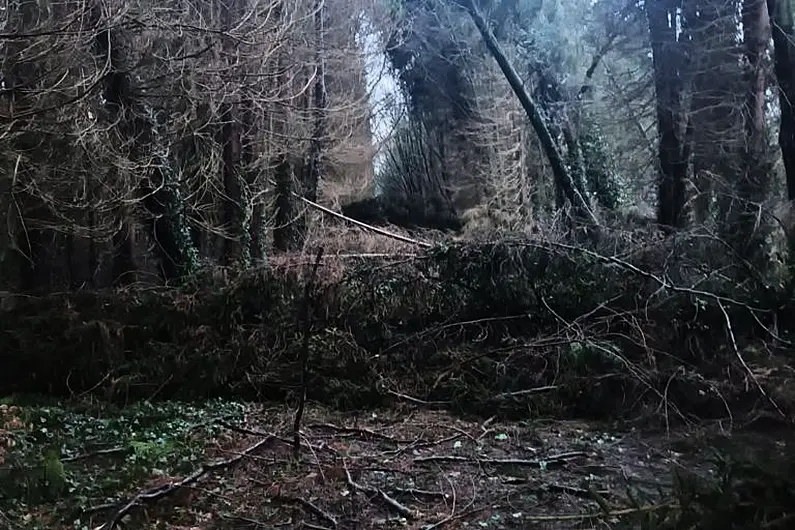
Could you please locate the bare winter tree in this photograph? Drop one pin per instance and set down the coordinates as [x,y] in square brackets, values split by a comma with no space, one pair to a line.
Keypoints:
[179,125]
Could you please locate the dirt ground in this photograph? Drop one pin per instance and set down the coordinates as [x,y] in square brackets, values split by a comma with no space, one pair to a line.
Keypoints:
[418,469]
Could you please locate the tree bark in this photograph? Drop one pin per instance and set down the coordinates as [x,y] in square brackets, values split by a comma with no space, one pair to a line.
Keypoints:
[256,224]
[319,102]
[20,75]
[781,15]
[235,205]
[124,269]
[710,37]
[673,127]
[233,214]
[287,234]
[754,181]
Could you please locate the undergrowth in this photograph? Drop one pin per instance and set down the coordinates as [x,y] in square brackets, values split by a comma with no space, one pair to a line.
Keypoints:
[514,329]
[69,465]
[459,324]
[61,461]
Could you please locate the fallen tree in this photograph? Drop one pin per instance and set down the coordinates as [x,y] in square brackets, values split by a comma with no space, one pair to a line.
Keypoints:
[476,327]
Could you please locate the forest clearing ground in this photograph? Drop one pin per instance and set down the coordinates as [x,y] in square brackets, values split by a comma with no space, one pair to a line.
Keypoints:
[399,467]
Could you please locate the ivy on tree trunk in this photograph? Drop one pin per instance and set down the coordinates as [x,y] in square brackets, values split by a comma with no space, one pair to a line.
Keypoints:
[159,188]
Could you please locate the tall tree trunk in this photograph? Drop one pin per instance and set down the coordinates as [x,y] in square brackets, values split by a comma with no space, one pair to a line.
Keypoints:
[291,230]
[673,149]
[754,181]
[561,174]
[234,214]
[319,103]
[710,31]
[20,75]
[93,255]
[550,96]
[123,269]
[782,14]
[256,224]
[235,201]
[159,188]
[286,233]
[71,276]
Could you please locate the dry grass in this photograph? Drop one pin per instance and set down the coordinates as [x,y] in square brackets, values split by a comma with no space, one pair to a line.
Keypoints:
[338,238]
[343,245]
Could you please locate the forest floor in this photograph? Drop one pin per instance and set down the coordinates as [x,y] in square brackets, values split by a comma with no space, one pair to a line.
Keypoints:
[229,465]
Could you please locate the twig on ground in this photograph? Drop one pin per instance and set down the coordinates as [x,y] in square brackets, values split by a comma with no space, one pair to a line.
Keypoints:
[99,452]
[355,430]
[452,508]
[560,488]
[315,526]
[416,400]
[311,508]
[451,518]
[169,488]
[785,521]
[256,432]
[7,521]
[462,432]
[307,302]
[600,514]
[406,512]
[420,493]
[527,392]
[745,366]
[541,462]
[420,443]
[664,401]
[444,458]
[249,520]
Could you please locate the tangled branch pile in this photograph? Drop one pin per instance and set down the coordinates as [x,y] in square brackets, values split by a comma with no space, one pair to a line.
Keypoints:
[512,325]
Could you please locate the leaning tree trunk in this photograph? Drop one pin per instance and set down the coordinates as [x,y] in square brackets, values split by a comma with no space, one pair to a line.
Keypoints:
[782,14]
[673,149]
[561,174]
